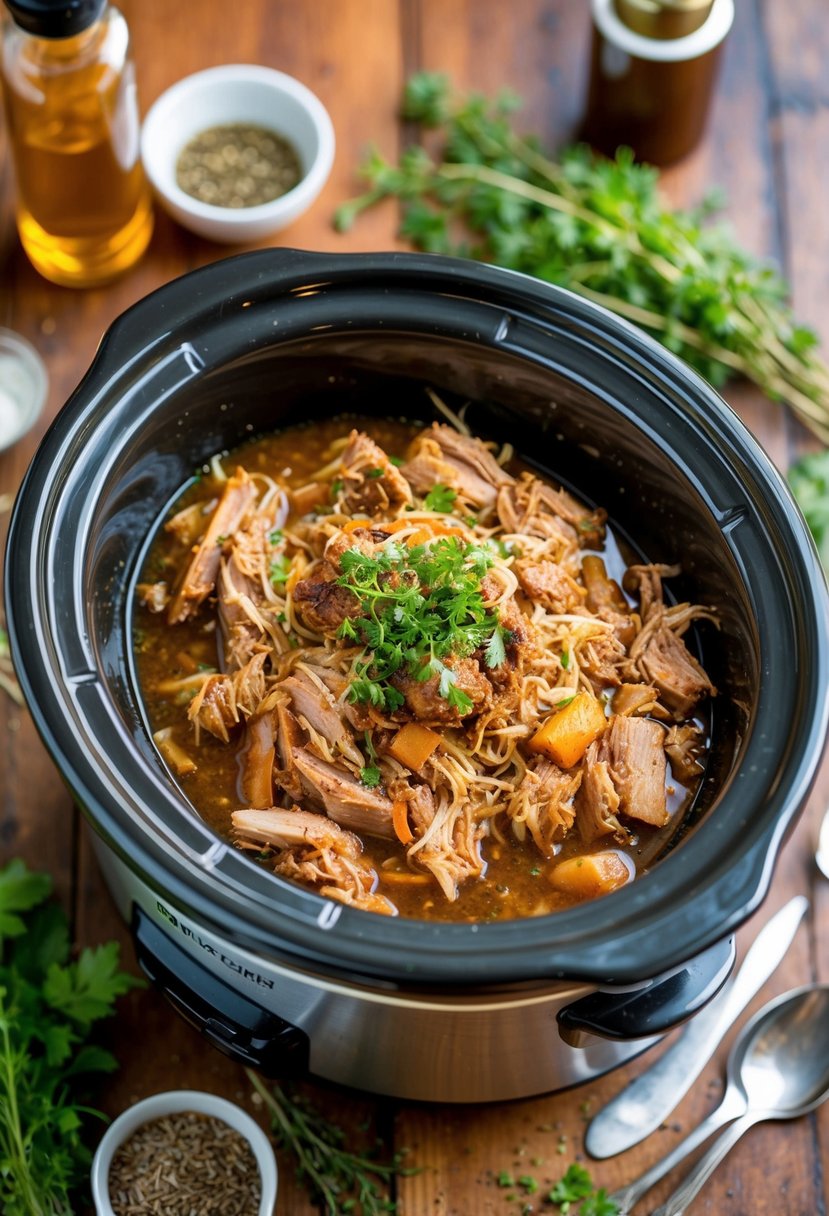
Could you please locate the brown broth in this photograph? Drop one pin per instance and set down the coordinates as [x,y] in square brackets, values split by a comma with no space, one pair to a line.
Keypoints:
[515,879]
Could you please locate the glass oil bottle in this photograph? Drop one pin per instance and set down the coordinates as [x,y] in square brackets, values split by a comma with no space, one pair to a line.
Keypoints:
[84,212]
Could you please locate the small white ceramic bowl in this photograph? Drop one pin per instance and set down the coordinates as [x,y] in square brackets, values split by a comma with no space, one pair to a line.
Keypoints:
[23,386]
[173,1102]
[237,93]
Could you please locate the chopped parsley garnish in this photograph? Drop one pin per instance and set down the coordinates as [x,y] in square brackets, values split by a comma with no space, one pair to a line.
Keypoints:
[576,1186]
[565,659]
[396,461]
[336,488]
[370,776]
[279,570]
[419,608]
[276,536]
[440,498]
[378,472]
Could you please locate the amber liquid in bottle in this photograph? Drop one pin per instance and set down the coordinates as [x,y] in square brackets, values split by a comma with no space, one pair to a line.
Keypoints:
[84,212]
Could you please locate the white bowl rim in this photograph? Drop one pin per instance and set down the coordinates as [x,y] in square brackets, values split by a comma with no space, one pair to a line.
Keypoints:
[174,1101]
[309,184]
[21,349]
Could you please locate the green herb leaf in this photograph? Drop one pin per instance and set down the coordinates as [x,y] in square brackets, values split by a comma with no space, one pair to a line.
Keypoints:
[370,776]
[599,228]
[279,570]
[419,609]
[47,1005]
[809,479]
[495,653]
[440,498]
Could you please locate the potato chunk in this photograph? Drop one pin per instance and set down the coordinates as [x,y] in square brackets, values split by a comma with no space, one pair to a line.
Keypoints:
[567,733]
[591,875]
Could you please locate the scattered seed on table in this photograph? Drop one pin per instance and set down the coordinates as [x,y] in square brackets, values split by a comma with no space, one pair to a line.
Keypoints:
[186,1164]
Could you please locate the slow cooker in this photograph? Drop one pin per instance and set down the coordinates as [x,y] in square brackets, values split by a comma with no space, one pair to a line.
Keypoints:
[278,976]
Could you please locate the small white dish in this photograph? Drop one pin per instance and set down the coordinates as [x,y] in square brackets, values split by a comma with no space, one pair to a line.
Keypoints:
[173,1102]
[23,387]
[237,93]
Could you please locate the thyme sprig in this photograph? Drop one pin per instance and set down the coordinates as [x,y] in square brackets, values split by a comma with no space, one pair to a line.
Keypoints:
[418,608]
[341,1181]
[599,228]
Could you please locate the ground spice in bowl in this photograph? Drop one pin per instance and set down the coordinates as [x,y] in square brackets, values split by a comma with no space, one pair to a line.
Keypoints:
[237,165]
[185,1164]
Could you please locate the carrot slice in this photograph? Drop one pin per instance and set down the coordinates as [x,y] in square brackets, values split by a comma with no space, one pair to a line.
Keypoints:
[413,745]
[591,875]
[400,822]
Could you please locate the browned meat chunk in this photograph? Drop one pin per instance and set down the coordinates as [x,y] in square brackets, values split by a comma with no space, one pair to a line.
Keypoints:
[346,800]
[636,762]
[371,483]
[442,456]
[666,663]
[543,804]
[529,505]
[224,699]
[426,705]
[322,603]
[548,584]
[199,578]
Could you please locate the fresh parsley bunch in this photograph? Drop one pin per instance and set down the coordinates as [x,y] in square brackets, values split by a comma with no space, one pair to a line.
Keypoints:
[48,1005]
[599,228]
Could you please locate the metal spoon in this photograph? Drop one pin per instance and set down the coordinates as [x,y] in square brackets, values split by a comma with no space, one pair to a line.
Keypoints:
[778,1069]
[822,854]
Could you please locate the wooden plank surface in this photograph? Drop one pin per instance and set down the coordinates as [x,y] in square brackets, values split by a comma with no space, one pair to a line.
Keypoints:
[768,146]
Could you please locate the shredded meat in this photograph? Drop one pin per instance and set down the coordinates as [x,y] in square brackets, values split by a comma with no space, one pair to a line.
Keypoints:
[666,663]
[597,801]
[442,456]
[346,800]
[543,804]
[449,846]
[315,850]
[636,762]
[315,708]
[257,759]
[199,577]
[371,483]
[531,506]
[224,699]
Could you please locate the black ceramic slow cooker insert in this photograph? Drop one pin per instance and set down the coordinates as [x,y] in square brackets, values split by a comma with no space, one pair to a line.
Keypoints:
[277,975]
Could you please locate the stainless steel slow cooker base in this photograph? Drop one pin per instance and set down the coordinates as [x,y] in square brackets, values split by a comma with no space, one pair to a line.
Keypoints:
[458,1048]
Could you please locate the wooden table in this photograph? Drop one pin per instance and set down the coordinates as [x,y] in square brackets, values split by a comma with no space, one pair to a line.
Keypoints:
[768,146]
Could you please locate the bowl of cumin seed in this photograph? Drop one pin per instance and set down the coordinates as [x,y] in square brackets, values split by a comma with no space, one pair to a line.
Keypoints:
[184,1153]
[237,152]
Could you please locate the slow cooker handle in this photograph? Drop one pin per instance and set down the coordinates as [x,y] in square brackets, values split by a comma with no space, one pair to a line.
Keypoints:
[238,1026]
[664,1003]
